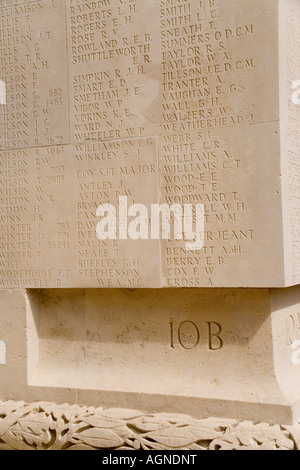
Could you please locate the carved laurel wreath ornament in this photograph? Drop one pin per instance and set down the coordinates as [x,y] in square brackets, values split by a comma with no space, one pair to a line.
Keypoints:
[47,426]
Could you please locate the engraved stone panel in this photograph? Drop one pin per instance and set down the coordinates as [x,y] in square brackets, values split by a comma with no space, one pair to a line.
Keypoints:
[170,102]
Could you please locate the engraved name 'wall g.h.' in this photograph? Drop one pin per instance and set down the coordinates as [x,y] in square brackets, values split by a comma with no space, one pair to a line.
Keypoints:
[174,102]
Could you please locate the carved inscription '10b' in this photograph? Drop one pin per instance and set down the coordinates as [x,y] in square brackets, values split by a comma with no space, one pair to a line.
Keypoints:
[188,335]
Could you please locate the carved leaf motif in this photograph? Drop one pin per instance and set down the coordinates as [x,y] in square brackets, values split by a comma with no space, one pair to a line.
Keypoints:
[76,428]
[229,439]
[35,423]
[249,435]
[34,429]
[15,441]
[32,439]
[284,441]
[10,406]
[149,445]
[65,412]
[180,437]
[99,438]
[60,427]
[41,426]
[12,418]
[246,439]
[267,446]
[294,432]
[268,435]
[202,432]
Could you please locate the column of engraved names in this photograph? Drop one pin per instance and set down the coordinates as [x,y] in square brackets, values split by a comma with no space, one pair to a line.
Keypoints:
[31,35]
[53,206]
[34,232]
[95,168]
[198,154]
[114,80]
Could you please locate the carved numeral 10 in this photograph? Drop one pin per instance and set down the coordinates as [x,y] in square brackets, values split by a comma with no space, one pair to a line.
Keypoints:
[188,335]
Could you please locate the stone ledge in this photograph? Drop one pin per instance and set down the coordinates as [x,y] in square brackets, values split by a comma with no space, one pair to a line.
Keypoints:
[48,426]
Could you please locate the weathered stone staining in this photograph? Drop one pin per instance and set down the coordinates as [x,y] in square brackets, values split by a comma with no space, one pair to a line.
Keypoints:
[186,104]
